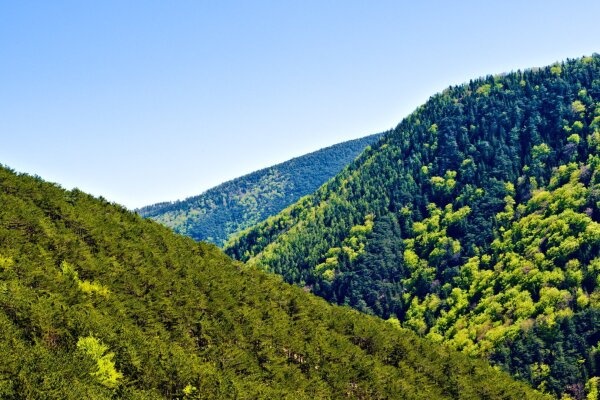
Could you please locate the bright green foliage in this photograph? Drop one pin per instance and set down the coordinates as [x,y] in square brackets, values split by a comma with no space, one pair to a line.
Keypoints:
[556,70]
[223,211]
[485,227]
[578,107]
[106,372]
[537,275]
[443,186]
[6,263]
[189,390]
[574,138]
[85,286]
[352,247]
[592,388]
[484,89]
[182,320]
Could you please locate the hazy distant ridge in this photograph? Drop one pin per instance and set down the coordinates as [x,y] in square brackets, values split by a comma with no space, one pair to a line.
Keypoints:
[242,202]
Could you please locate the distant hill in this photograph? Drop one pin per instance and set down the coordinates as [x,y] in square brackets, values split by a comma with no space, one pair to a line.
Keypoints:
[475,223]
[97,303]
[218,213]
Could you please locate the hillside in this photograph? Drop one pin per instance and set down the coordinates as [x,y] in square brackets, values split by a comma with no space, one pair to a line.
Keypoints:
[96,302]
[474,223]
[236,205]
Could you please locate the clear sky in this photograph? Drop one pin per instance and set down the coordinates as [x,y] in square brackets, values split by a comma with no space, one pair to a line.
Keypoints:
[146,101]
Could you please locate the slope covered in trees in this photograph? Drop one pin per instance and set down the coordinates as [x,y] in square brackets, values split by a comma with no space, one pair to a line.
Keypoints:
[96,302]
[474,222]
[238,204]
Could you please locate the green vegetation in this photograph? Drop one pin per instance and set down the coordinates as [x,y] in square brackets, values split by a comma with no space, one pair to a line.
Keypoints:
[96,302]
[474,223]
[233,206]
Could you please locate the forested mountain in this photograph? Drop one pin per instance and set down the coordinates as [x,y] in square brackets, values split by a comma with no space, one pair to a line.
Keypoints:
[96,302]
[475,223]
[236,205]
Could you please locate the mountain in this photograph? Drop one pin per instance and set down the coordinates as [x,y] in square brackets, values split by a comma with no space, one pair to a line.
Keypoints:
[233,206]
[96,302]
[475,223]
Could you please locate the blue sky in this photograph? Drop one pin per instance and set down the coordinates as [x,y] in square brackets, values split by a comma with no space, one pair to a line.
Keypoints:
[145,101]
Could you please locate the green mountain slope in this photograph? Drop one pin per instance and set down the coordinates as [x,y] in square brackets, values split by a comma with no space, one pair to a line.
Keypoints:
[474,222]
[238,204]
[96,302]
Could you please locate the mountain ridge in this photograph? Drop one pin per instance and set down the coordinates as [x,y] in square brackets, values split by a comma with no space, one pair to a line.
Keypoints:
[222,211]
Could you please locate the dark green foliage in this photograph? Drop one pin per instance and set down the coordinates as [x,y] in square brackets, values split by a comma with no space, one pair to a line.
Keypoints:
[233,206]
[489,198]
[382,264]
[96,302]
[568,348]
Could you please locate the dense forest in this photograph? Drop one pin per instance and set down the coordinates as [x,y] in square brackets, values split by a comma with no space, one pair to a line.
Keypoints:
[96,302]
[474,223]
[233,206]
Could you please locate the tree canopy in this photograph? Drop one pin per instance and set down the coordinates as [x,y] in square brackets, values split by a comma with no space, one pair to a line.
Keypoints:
[483,209]
[98,303]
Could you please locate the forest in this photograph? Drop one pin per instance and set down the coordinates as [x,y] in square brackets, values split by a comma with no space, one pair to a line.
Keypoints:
[233,206]
[98,303]
[474,223]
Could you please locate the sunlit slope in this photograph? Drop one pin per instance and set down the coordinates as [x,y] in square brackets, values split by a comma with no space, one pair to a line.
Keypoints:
[474,222]
[96,302]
